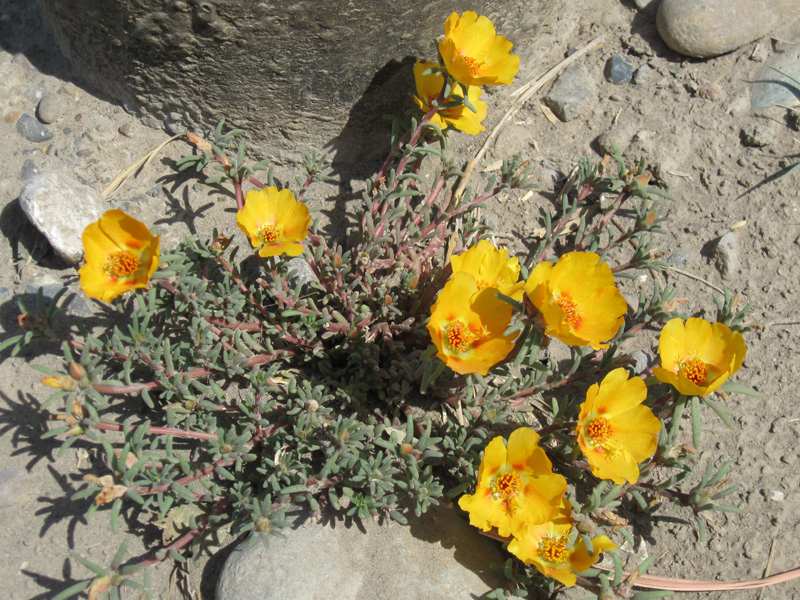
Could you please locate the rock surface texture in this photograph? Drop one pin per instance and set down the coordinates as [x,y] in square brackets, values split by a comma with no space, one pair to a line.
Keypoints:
[61,208]
[704,28]
[295,76]
[437,556]
[775,82]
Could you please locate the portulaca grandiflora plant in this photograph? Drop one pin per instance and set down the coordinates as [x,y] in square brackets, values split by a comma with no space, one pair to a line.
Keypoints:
[412,370]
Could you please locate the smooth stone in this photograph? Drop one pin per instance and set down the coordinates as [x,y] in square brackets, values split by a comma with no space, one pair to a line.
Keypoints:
[16,487]
[703,28]
[5,294]
[61,208]
[51,108]
[568,96]
[33,131]
[49,291]
[300,272]
[679,258]
[642,4]
[438,555]
[641,360]
[772,83]
[35,93]
[619,69]
[726,254]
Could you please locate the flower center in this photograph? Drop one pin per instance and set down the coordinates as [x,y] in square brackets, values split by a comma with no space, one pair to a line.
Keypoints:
[121,264]
[482,284]
[268,233]
[474,65]
[695,370]
[599,430]
[458,336]
[571,314]
[553,550]
[507,486]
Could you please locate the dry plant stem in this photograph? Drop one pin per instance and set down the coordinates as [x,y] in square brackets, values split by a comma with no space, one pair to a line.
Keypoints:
[199,474]
[525,93]
[108,426]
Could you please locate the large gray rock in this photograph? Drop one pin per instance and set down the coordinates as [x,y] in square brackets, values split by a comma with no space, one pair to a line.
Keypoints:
[572,93]
[777,82]
[437,556]
[704,28]
[61,208]
[294,75]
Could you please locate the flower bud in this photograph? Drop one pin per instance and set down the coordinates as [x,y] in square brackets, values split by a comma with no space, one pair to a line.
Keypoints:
[60,381]
[199,142]
[77,370]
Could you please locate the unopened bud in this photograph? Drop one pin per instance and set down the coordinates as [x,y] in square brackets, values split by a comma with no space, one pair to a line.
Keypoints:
[220,243]
[337,261]
[387,300]
[585,527]
[312,406]
[406,449]
[77,370]
[199,142]
[413,282]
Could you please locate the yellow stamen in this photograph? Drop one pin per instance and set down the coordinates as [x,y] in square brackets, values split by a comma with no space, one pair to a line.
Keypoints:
[482,284]
[599,430]
[458,336]
[695,370]
[268,233]
[474,65]
[572,316]
[507,486]
[553,550]
[121,264]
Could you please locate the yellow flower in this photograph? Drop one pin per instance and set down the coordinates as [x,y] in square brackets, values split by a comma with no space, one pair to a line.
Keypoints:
[467,326]
[460,117]
[546,547]
[275,221]
[578,299]
[697,357]
[615,432]
[121,255]
[516,485]
[492,268]
[474,54]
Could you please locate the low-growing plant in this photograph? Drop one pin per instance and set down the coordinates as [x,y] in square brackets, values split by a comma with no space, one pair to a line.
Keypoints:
[390,376]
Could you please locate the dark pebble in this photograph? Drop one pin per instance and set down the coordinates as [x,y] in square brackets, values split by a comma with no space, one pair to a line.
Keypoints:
[619,69]
[5,294]
[154,191]
[32,130]
[48,291]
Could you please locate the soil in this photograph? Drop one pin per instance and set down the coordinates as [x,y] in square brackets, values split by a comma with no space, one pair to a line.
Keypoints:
[698,153]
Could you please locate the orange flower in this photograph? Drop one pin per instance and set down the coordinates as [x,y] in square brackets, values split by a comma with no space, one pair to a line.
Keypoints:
[516,485]
[615,432]
[474,54]
[492,268]
[546,547]
[459,117]
[121,255]
[467,326]
[578,299]
[274,221]
[697,357]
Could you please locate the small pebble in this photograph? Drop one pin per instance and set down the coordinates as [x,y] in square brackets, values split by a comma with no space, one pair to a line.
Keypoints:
[679,259]
[28,170]
[35,93]
[642,74]
[569,96]
[11,117]
[726,254]
[619,69]
[154,191]
[712,91]
[125,129]
[32,130]
[51,108]
[638,46]
[777,496]
[5,294]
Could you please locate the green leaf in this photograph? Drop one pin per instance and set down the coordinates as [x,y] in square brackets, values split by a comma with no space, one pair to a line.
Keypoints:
[729,387]
[73,590]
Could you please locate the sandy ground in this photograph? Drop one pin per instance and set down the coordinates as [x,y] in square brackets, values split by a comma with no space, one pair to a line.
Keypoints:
[695,146]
